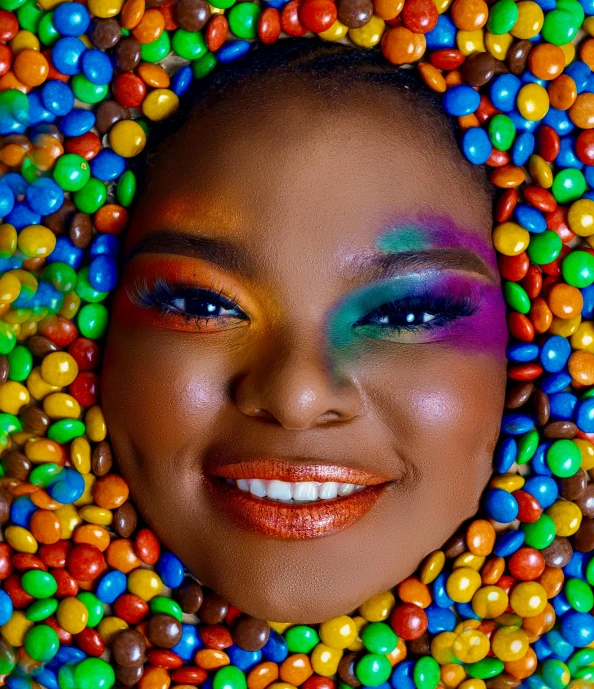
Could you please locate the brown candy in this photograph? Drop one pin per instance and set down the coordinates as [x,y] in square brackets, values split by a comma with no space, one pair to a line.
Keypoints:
[455,545]
[559,553]
[542,407]
[4,369]
[40,346]
[81,230]
[478,69]
[125,520]
[128,675]
[573,487]
[420,646]
[164,630]
[104,33]
[560,429]
[35,420]
[108,113]
[155,3]
[213,609]
[503,681]
[355,13]
[518,395]
[192,15]
[5,503]
[346,669]
[34,263]
[517,56]
[58,221]
[129,648]
[102,459]
[586,501]
[127,54]
[583,539]
[16,465]
[250,633]
[189,596]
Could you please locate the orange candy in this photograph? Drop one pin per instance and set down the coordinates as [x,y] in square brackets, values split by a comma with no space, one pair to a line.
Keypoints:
[93,535]
[387,9]
[470,15]
[540,315]
[552,580]
[581,367]
[211,659]
[507,176]
[121,555]
[154,678]
[412,590]
[110,492]
[45,527]
[565,301]
[150,27]
[562,92]
[546,61]
[587,52]
[30,67]
[111,218]
[399,45]
[262,675]
[153,75]
[523,667]
[492,571]
[296,669]
[480,537]
[132,13]
[581,112]
[432,77]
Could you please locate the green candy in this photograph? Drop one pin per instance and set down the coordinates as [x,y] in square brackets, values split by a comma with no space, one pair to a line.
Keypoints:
[29,16]
[426,673]
[85,290]
[42,643]
[11,5]
[7,658]
[527,446]
[564,458]
[223,4]
[502,130]
[126,188]
[165,606]
[579,594]
[590,572]
[41,609]
[61,276]
[48,34]
[541,533]
[573,7]
[86,91]
[204,66]
[301,639]
[243,19]
[569,185]
[94,606]
[44,474]
[544,247]
[39,584]
[378,637]
[92,321]
[516,297]
[7,338]
[485,668]
[9,423]
[502,17]
[555,674]
[157,50]
[583,657]
[72,172]
[578,269]
[20,361]
[91,197]
[65,430]
[94,673]
[189,44]
[66,677]
[560,27]
[15,104]
[373,669]
[229,677]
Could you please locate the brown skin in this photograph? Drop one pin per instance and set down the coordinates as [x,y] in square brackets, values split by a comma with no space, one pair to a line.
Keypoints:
[299,183]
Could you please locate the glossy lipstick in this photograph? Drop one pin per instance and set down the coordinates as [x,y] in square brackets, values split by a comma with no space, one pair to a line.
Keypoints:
[293,521]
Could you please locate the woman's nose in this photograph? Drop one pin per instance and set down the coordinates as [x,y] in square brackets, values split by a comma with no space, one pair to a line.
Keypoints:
[295,386]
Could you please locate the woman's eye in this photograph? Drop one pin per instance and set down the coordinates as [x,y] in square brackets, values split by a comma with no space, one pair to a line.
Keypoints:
[393,319]
[206,306]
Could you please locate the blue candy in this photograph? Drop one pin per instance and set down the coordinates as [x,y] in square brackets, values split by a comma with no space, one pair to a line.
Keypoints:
[504,91]
[44,196]
[505,455]
[555,382]
[5,607]
[585,416]
[530,218]
[71,19]
[501,505]
[189,643]
[97,67]
[21,215]
[563,406]
[111,586]
[507,543]
[461,100]
[66,55]
[57,96]
[403,675]
[440,619]
[476,145]
[6,200]
[554,353]
[245,660]
[181,80]
[516,424]
[577,628]
[443,35]
[170,568]
[233,50]
[21,511]
[275,649]
[77,121]
[543,488]
[523,148]
[107,165]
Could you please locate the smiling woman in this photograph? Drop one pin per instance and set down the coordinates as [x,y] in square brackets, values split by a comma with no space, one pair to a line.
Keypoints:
[309,336]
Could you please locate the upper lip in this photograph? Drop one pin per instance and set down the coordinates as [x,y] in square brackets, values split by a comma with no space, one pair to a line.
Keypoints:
[293,470]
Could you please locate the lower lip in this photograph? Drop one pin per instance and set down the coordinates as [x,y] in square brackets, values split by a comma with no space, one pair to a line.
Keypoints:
[294,522]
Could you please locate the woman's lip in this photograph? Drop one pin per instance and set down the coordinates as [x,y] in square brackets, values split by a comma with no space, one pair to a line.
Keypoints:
[292,521]
[275,469]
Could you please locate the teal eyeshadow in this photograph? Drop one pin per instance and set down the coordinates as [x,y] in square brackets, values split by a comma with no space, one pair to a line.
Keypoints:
[404,238]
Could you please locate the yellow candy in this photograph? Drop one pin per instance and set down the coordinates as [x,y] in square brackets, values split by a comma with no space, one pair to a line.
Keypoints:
[507,482]
[49,4]
[26,279]
[59,405]
[509,643]
[442,5]
[471,42]
[281,685]
[70,305]
[42,450]
[432,566]
[510,239]
[281,627]
[564,326]
[462,584]
[567,517]
[23,40]
[338,632]
[530,20]
[69,518]
[15,630]
[28,329]
[442,648]
[87,497]
[468,559]
[146,584]
[588,25]
[581,217]
[13,397]
[10,288]
[369,35]
[59,368]
[160,104]
[540,171]
[583,338]
[127,138]
[533,102]
[216,10]
[357,644]
[379,607]
[490,601]
[17,316]
[96,515]
[324,660]
[569,52]
[498,46]
[452,675]
[72,615]
[337,31]
[80,455]
[471,646]
[38,387]
[109,628]
[474,683]
[105,8]
[36,241]
[8,240]
[95,424]
[587,450]
[528,598]
[466,624]
[20,539]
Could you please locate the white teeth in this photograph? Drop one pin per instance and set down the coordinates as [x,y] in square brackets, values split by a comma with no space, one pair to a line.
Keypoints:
[300,491]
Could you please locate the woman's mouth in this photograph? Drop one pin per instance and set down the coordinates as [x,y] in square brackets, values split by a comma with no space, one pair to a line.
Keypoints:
[293,501]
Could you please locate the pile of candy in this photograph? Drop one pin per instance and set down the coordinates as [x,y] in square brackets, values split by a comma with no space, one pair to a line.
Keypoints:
[88,599]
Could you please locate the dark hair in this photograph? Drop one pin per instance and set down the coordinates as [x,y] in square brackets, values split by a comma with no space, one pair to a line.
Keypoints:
[329,68]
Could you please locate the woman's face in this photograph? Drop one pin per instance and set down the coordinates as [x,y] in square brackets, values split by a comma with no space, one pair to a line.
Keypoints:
[312,299]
